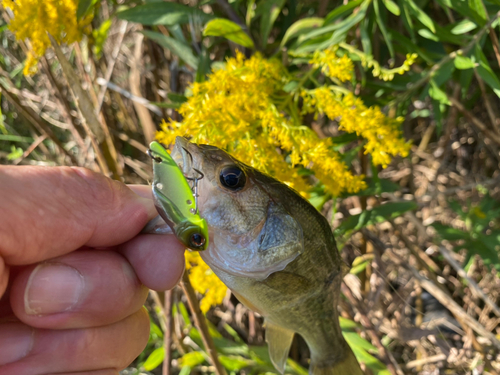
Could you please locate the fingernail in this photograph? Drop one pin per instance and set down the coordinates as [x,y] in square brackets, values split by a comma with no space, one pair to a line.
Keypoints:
[16,341]
[52,288]
[150,207]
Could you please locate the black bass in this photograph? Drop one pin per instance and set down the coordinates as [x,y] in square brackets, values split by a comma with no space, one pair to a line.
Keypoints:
[276,253]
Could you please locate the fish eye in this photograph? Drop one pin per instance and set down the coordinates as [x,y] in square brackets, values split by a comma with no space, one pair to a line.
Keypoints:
[233,178]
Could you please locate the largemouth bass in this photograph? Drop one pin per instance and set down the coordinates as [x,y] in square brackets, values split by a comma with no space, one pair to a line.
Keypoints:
[276,253]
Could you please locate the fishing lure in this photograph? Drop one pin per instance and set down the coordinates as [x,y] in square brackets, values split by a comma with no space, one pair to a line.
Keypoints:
[175,201]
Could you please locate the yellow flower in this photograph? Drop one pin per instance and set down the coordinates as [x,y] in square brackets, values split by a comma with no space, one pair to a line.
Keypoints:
[33,19]
[333,66]
[383,135]
[235,110]
[204,281]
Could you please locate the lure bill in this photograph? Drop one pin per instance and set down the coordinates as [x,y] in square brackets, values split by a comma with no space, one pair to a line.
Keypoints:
[175,201]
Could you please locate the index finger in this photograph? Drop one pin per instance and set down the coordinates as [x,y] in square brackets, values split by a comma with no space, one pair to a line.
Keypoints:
[50,211]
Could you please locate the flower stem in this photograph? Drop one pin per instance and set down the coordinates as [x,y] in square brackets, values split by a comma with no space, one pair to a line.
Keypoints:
[201,324]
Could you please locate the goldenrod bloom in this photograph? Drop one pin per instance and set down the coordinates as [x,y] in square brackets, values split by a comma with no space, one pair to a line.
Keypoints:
[33,19]
[204,281]
[235,110]
[333,66]
[383,135]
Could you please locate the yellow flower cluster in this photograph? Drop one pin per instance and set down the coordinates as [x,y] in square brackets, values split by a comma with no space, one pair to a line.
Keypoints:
[388,74]
[382,133]
[204,281]
[333,66]
[235,110]
[33,19]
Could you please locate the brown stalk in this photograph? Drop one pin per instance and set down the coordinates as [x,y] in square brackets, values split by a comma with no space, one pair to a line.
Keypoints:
[472,284]
[385,355]
[478,123]
[109,72]
[489,108]
[61,98]
[201,324]
[30,149]
[451,305]
[36,122]
[167,335]
[366,246]
[496,45]
[145,118]
[85,107]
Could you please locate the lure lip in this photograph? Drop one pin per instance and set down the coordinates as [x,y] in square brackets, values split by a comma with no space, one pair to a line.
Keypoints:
[185,222]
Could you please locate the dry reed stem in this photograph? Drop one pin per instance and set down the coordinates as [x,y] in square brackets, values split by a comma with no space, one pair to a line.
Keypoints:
[201,324]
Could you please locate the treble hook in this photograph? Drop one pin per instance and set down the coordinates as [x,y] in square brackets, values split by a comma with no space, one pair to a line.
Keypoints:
[195,187]
[155,158]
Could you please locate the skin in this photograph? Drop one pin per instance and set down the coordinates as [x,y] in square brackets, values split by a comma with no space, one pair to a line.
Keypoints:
[63,224]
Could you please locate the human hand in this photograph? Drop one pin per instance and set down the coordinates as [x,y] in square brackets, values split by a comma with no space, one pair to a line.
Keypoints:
[74,272]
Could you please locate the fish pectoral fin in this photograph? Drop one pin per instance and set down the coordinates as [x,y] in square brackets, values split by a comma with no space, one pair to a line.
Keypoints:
[279,340]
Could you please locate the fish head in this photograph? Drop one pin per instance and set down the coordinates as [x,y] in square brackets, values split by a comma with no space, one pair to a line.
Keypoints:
[252,234]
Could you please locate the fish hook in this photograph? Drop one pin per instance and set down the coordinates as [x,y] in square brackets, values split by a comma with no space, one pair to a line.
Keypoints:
[195,187]
[155,158]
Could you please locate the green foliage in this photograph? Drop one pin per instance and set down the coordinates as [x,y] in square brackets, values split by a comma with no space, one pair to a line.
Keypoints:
[482,231]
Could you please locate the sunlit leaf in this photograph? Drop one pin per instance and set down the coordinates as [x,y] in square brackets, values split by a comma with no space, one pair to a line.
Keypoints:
[229,30]
[155,359]
[300,27]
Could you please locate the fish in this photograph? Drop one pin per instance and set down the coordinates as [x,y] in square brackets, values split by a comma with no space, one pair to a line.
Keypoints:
[276,253]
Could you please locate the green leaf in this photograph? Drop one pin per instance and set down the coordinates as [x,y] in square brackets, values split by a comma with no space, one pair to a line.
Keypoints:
[155,331]
[83,7]
[381,24]
[463,62]
[421,16]
[347,324]
[100,35]
[407,21]
[269,10]
[250,13]
[428,35]
[355,341]
[228,30]
[180,49]
[15,138]
[300,27]
[155,359]
[392,7]
[192,359]
[485,72]
[463,27]
[341,10]
[234,363]
[162,13]
[449,233]
[365,28]
[15,153]
[436,93]
[345,25]
[378,214]
[479,10]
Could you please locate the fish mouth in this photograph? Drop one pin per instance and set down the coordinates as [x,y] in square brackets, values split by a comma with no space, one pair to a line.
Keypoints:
[181,155]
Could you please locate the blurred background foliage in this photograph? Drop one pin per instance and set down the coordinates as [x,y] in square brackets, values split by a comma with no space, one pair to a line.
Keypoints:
[383,113]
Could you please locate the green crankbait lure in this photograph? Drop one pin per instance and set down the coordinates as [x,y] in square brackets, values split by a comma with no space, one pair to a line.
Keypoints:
[175,200]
